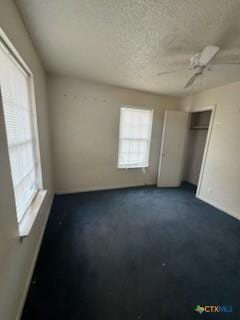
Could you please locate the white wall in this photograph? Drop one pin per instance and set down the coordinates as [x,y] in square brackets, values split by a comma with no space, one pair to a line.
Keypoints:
[85,127]
[221,178]
[16,258]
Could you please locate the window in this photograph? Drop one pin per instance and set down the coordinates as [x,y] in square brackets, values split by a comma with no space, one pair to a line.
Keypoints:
[17,102]
[134,137]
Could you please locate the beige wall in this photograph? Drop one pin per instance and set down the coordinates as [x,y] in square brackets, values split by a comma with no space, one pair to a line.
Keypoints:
[85,124]
[221,178]
[16,257]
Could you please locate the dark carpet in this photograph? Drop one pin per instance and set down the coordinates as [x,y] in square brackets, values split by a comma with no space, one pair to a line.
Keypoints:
[140,253]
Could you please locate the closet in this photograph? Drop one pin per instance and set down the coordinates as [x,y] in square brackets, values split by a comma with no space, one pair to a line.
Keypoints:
[196,141]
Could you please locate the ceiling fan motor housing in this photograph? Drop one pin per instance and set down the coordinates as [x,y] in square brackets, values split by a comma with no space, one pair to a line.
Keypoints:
[195,60]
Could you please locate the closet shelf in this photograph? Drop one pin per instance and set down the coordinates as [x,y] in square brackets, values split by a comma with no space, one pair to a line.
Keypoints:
[199,127]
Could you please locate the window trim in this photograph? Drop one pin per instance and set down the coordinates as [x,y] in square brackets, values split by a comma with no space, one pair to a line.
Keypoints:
[135,166]
[26,222]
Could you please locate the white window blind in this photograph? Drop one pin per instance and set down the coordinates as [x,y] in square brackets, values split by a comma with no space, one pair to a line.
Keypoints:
[19,121]
[134,137]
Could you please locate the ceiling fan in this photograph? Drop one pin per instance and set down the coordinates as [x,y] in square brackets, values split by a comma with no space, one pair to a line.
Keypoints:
[198,63]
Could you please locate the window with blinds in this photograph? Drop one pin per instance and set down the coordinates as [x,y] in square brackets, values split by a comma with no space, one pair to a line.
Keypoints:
[15,85]
[134,137]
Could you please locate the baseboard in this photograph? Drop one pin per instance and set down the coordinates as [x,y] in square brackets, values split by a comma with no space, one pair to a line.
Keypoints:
[216,205]
[99,188]
[28,282]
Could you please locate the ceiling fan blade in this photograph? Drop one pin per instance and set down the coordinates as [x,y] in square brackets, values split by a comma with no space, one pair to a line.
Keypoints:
[224,67]
[173,71]
[191,80]
[207,54]
[167,72]
[225,63]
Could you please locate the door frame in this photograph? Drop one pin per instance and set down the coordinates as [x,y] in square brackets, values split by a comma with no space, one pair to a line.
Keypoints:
[206,148]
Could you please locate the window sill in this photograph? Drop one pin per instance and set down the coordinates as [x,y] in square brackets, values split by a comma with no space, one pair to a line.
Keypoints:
[133,167]
[25,225]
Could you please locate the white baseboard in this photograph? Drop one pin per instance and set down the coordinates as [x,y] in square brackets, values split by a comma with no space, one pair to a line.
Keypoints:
[99,188]
[28,282]
[216,205]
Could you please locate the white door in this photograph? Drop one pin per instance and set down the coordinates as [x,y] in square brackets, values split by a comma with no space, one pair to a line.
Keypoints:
[172,148]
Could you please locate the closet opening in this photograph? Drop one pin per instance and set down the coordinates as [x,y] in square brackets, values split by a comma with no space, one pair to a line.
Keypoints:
[196,147]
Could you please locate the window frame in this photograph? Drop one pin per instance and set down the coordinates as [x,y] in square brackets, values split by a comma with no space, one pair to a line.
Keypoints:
[27,219]
[135,166]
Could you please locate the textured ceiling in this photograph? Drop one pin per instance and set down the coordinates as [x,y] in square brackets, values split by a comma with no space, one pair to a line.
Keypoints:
[128,42]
